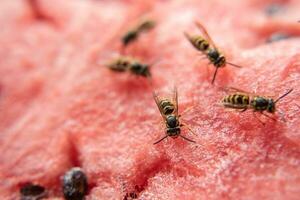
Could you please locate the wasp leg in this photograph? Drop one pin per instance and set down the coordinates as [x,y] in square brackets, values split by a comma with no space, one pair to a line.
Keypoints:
[160,122]
[186,111]
[187,139]
[188,127]
[160,139]
[263,123]
[215,74]
[268,116]
[199,59]
[243,110]
[281,115]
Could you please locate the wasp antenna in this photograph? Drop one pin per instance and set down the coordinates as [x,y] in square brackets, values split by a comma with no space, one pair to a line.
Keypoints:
[263,123]
[160,140]
[187,139]
[188,36]
[282,96]
[215,74]
[198,24]
[189,128]
[234,65]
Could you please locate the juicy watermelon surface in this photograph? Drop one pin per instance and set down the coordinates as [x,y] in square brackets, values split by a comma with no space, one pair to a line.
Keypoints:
[60,107]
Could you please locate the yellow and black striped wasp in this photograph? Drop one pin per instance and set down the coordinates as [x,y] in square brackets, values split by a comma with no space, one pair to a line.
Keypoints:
[168,108]
[134,66]
[206,46]
[133,33]
[243,100]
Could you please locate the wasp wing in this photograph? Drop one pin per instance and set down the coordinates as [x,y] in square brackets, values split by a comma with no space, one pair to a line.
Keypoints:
[205,33]
[175,99]
[234,89]
[157,101]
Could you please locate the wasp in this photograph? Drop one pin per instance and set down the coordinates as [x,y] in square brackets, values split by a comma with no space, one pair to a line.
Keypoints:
[131,195]
[168,108]
[132,34]
[244,100]
[206,46]
[74,184]
[31,191]
[123,64]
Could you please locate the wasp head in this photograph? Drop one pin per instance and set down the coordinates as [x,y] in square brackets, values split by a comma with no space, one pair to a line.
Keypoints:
[271,106]
[140,69]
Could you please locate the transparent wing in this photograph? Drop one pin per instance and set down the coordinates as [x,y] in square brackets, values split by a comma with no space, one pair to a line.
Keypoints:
[204,31]
[157,101]
[175,99]
[234,89]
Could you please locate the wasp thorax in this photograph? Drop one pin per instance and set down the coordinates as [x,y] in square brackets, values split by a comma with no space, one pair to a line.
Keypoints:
[173,127]
[213,54]
[140,69]
[216,58]
[259,103]
[172,121]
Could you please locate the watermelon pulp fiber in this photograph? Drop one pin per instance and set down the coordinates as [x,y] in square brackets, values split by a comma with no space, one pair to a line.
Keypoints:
[61,108]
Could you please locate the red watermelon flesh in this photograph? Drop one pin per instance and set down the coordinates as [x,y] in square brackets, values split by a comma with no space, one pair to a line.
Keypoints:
[60,107]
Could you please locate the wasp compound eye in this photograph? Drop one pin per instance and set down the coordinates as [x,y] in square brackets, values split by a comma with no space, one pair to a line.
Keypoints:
[31,191]
[75,184]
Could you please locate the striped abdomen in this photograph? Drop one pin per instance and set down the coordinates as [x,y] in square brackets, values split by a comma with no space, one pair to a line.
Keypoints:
[167,107]
[120,64]
[236,100]
[198,42]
